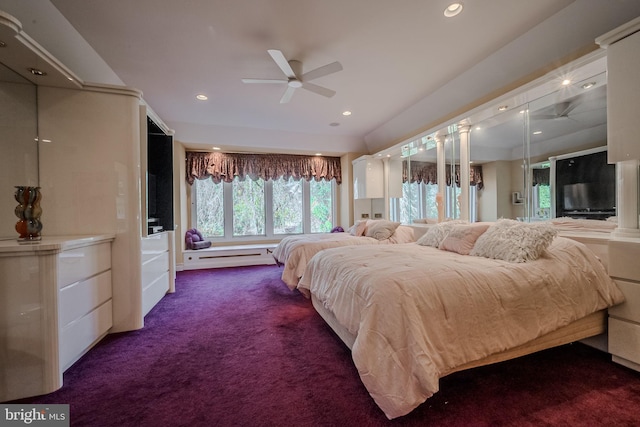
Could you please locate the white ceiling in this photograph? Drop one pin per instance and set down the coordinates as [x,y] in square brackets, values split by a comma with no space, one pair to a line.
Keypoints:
[395,55]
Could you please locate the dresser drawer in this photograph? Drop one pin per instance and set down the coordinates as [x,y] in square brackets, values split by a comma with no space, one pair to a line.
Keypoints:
[628,310]
[623,260]
[624,339]
[154,245]
[81,298]
[79,335]
[81,263]
[154,268]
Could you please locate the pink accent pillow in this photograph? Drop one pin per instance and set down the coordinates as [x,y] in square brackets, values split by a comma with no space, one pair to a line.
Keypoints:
[358,229]
[461,238]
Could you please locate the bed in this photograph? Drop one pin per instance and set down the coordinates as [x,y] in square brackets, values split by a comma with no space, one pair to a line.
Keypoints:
[293,252]
[412,314]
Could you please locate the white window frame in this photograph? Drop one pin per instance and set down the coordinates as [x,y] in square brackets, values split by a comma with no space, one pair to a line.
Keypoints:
[268,198]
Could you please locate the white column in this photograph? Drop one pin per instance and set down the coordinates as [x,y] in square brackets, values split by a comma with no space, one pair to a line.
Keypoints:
[465,172]
[441,174]
[385,182]
[627,199]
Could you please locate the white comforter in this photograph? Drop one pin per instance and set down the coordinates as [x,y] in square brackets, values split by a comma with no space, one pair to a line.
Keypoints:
[294,252]
[418,312]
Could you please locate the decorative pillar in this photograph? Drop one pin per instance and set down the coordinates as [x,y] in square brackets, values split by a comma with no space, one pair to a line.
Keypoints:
[441,175]
[627,199]
[465,172]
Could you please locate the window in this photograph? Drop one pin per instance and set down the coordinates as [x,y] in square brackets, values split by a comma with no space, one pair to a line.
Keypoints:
[287,206]
[262,209]
[542,201]
[419,201]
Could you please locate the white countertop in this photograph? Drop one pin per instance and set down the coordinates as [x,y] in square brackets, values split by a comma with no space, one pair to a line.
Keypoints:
[51,244]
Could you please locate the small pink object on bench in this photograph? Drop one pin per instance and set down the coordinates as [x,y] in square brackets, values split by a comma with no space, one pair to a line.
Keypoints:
[193,240]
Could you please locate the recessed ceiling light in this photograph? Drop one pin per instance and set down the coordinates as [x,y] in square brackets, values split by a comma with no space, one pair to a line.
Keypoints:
[588,85]
[346,113]
[452,10]
[37,72]
[538,132]
[318,154]
[503,107]
[201,97]
[566,82]
[216,148]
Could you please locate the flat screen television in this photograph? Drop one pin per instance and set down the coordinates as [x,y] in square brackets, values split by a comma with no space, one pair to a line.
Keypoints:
[590,196]
[586,186]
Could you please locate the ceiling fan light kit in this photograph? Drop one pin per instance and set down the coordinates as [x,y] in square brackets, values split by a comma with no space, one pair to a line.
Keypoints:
[295,79]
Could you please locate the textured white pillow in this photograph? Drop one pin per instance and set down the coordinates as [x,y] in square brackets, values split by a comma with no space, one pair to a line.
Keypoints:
[436,233]
[514,241]
[381,229]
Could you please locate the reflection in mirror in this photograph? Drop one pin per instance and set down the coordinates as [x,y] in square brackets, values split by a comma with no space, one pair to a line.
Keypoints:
[431,180]
[512,146]
[18,144]
[515,147]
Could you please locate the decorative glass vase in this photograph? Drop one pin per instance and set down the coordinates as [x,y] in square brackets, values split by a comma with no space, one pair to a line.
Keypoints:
[28,212]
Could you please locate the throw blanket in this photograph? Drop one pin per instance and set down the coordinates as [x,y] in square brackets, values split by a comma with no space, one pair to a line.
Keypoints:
[419,312]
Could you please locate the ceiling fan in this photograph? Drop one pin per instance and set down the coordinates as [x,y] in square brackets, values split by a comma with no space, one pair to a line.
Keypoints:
[295,79]
[560,110]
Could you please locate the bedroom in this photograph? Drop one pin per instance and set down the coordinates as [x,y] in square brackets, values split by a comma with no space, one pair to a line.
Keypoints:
[115,226]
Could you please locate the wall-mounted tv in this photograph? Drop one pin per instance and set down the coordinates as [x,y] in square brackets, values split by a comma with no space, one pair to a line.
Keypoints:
[592,196]
[586,186]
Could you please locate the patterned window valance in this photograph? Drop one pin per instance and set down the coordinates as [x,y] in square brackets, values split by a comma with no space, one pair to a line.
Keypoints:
[226,166]
[540,176]
[428,173]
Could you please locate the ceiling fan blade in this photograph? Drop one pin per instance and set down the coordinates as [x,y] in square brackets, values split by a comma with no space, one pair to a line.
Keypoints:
[325,70]
[544,116]
[282,62]
[318,89]
[263,81]
[286,97]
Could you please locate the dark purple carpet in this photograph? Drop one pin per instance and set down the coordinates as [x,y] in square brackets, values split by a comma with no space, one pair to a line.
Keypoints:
[234,347]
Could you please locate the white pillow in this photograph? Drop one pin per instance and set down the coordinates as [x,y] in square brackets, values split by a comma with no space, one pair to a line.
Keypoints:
[463,237]
[403,234]
[514,241]
[436,233]
[358,228]
[381,229]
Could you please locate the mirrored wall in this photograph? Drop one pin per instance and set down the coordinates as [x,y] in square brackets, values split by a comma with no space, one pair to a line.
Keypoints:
[535,154]
[18,144]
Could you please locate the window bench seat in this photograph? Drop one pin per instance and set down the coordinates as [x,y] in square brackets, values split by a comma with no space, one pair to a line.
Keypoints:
[229,256]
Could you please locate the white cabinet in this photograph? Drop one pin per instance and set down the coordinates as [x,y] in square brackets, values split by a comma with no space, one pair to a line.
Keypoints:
[368,178]
[623,91]
[158,270]
[624,319]
[56,303]
[395,177]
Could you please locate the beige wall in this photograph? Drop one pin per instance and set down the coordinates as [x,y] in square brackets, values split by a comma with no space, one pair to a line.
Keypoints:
[495,198]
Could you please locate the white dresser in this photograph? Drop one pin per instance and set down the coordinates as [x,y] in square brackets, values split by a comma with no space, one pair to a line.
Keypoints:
[158,268]
[624,319]
[55,304]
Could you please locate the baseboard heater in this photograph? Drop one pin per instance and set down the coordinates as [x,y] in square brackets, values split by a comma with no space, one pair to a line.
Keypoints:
[228,256]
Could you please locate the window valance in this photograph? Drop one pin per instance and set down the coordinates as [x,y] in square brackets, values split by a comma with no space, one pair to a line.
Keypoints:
[427,172]
[226,166]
